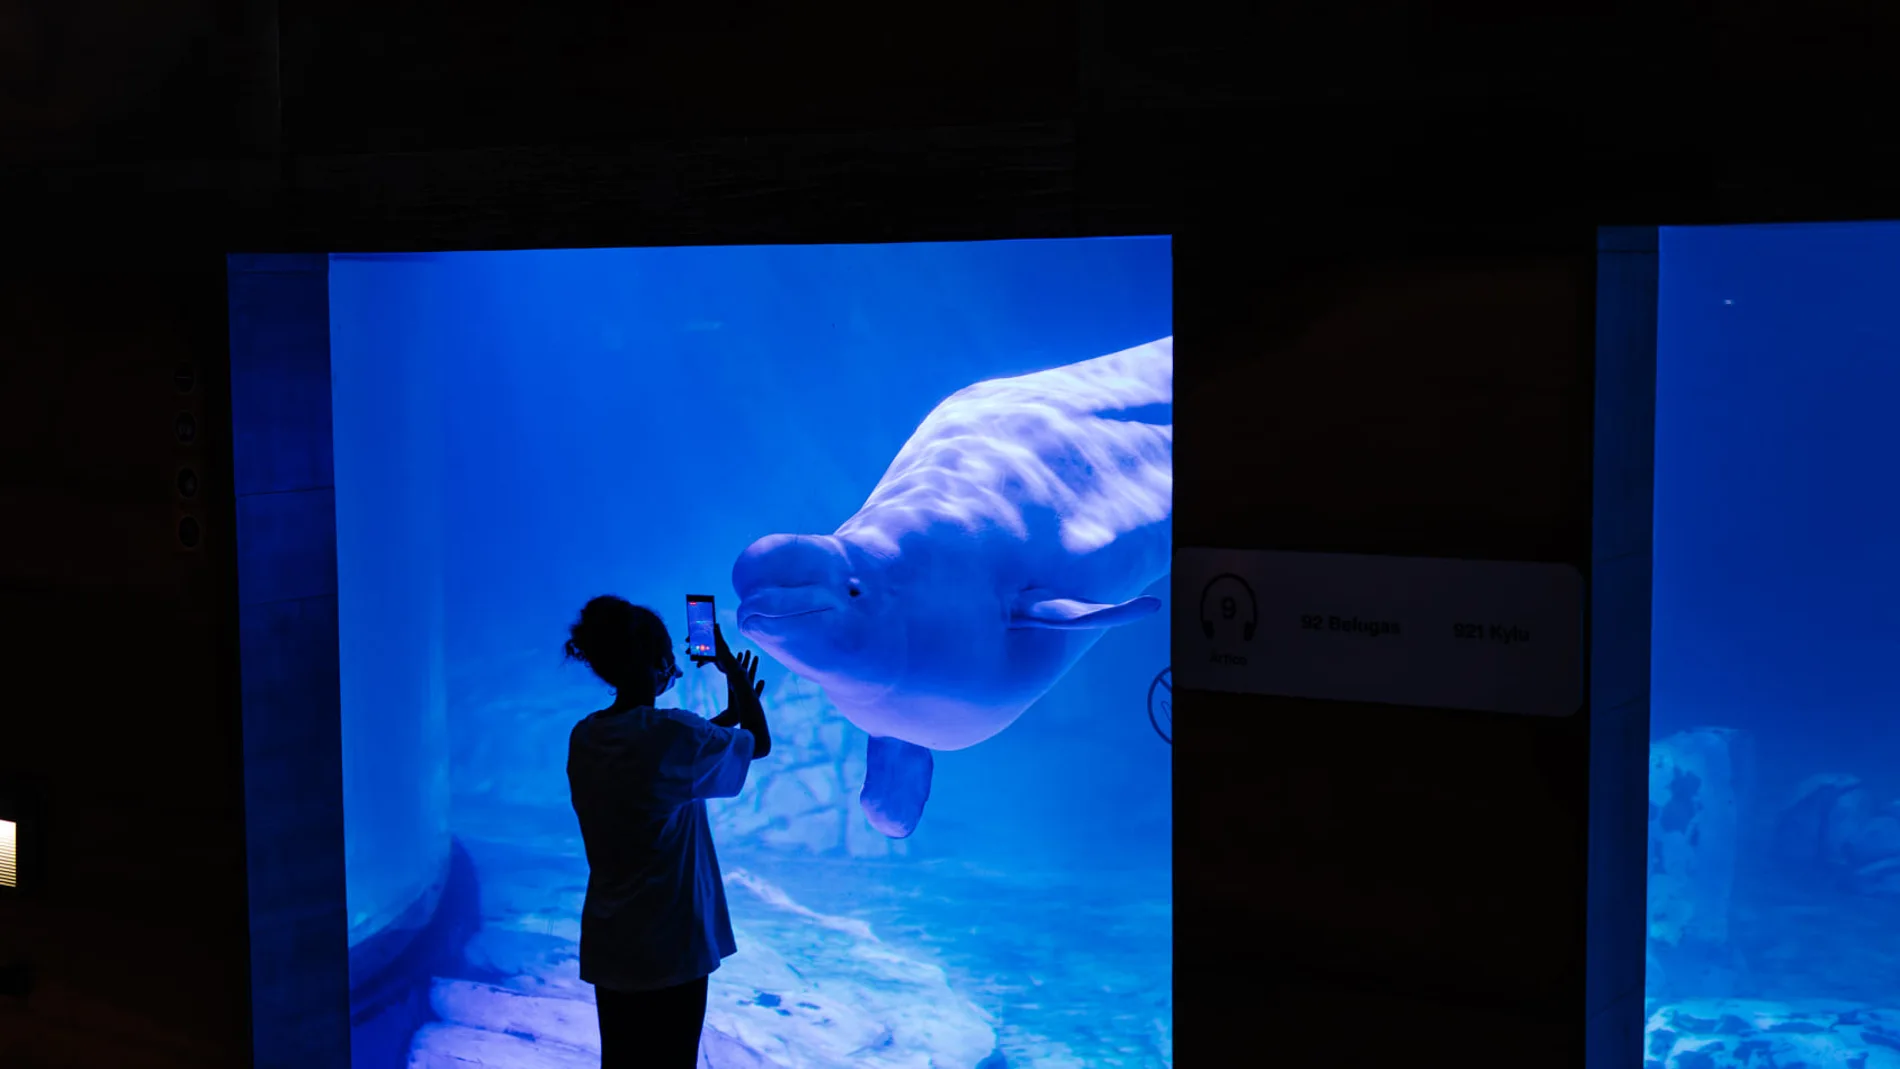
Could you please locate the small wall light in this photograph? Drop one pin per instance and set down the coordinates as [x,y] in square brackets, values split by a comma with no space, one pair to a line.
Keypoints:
[19,845]
[9,854]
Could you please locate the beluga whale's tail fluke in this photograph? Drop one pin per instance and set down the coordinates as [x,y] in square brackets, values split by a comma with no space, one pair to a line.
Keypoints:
[1023,518]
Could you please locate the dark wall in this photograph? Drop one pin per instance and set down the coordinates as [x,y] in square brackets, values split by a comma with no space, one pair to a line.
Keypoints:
[1422,868]
[137,140]
[114,710]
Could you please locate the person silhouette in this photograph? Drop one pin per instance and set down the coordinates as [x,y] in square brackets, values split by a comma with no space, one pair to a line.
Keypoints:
[654,925]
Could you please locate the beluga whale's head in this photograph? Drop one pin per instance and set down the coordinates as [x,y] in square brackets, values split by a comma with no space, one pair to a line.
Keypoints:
[823,608]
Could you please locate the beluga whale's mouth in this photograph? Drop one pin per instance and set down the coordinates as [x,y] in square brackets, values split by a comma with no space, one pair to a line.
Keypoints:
[747,619]
[783,612]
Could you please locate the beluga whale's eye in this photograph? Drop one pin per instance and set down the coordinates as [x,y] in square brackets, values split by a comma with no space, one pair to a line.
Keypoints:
[854,590]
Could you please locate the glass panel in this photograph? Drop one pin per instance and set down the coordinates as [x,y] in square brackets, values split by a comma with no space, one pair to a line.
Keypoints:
[1774,877]
[520,432]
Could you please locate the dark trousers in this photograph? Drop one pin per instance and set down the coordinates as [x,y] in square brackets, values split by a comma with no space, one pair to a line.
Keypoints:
[651,1029]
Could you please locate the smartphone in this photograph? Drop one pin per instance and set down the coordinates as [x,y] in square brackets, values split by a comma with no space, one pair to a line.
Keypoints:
[699,627]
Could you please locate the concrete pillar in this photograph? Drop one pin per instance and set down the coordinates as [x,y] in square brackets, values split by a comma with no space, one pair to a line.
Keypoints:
[1379,883]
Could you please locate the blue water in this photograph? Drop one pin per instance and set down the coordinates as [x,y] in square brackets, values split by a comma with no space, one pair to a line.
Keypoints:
[517,432]
[1775,763]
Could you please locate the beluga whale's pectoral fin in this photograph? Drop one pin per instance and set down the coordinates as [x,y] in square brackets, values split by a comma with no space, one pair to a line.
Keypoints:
[1043,609]
[896,785]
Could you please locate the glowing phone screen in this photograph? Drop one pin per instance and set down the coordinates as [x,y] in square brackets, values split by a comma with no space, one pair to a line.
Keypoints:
[699,626]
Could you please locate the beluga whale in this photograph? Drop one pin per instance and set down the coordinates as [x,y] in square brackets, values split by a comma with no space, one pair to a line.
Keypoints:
[1024,517]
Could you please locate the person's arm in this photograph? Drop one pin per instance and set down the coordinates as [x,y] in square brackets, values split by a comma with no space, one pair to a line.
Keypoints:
[751,713]
[716,761]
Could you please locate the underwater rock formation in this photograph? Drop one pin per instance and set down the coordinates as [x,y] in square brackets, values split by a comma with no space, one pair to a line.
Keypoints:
[1811,833]
[1694,831]
[851,1000]
[1834,832]
[511,714]
[1755,1034]
[800,800]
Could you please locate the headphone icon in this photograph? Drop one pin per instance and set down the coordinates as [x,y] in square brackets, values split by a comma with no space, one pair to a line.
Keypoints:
[1253,607]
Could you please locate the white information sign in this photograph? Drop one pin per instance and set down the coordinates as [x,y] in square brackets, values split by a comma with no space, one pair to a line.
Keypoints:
[1496,636]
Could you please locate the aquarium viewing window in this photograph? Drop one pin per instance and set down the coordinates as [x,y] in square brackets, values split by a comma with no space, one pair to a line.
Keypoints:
[1774,780]
[930,485]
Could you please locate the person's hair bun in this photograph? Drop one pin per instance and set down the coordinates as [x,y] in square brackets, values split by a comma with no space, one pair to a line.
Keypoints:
[617,638]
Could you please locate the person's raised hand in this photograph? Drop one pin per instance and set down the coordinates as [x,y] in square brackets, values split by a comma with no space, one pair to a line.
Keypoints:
[741,672]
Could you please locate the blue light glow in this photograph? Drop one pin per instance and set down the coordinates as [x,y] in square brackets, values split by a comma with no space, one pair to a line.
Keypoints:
[1774,876]
[518,432]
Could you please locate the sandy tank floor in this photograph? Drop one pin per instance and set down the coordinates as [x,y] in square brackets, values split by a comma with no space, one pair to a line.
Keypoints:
[919,965]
